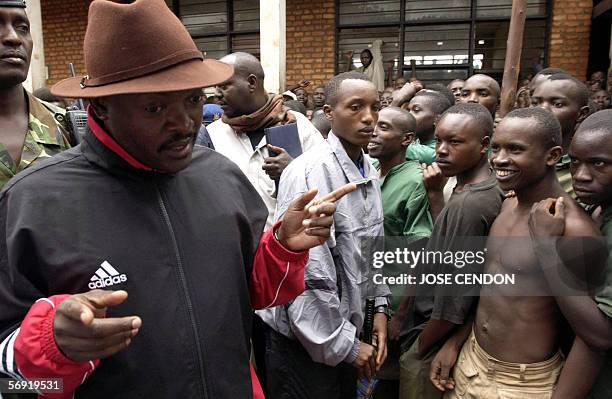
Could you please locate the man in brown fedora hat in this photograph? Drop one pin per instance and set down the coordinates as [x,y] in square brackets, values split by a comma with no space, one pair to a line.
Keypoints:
[29,130]
[143,218]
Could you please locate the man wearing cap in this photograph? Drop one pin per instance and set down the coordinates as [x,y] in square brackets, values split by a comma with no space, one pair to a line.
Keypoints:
[29,129]
[142,219]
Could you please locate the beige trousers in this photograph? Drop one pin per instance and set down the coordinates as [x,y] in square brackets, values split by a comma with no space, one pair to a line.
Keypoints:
[481,376]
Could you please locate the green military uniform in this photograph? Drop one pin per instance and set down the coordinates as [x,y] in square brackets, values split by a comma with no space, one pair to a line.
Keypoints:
[45,137]
[423,153]
[564,175]
[602,389]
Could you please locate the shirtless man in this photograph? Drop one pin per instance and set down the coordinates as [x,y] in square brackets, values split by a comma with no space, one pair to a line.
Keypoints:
[514,345]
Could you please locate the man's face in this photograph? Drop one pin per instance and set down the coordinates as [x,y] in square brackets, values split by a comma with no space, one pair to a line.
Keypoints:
[366,58]
[598,76]
[518,155]
[602,99]
[424,115]
[388,138]
[158,129]
[591,166]
[481,90]
[318,97]
[15,46]
[302,96]
[561,98]
[400,82]
[234,96]
[459,146]
[385,99]
[456,87]
[355,113]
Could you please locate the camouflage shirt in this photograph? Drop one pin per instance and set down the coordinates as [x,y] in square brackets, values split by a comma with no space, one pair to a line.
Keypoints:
[45,137]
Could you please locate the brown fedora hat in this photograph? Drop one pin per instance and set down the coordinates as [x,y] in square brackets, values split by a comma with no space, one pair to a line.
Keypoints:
[141,47]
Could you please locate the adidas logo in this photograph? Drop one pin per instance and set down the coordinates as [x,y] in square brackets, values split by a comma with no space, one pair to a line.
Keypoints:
[105,276]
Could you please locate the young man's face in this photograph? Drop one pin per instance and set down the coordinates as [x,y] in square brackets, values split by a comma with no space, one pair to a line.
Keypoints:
[318,97]
[459,146]
[385,99]
[456,86]
[518,153]
[158,129]
[424,115]
[366,59]
[561,98]
[598,76]
[591,166]
[15,46]
[355,113]
[389,139]
[302,96]
[482,90]
[400,82]
[602,99]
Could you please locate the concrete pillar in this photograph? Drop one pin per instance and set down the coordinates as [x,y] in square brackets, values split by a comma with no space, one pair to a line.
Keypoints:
[272,43]
[37,76]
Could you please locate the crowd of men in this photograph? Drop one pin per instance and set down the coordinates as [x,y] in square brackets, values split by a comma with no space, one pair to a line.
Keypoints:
[181,202]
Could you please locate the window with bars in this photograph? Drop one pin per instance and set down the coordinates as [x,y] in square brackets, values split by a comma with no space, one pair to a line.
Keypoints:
[220,27]
[447,39]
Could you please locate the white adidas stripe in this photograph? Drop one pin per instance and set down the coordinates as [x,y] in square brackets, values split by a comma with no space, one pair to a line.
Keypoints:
[105,270]
[110,269]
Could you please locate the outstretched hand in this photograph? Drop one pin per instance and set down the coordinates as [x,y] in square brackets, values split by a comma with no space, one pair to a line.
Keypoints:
[307,222]
[83,332]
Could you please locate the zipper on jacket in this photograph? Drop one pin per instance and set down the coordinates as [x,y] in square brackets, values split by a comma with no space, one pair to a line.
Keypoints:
[181,273]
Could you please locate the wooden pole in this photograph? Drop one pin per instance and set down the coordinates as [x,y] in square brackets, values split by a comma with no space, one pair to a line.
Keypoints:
[513,56]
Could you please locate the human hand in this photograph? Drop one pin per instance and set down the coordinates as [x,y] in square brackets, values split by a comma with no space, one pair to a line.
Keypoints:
[379,329]
[274,166]
[442,365]
[366,361]
[307,222]
[433,179]
[406,93]
[547,218]
[304,83]
[82,332]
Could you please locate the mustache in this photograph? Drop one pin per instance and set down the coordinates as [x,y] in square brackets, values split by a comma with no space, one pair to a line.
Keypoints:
[178,138]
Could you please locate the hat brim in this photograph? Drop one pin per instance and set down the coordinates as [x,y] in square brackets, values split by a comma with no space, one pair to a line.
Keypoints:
[187,75]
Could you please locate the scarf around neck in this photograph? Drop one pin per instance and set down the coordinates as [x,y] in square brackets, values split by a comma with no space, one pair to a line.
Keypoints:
[273,113]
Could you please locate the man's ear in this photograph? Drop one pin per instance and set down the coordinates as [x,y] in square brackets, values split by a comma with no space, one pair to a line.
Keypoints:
[99,107]
[252,81]
[485,142]
[554,155]
[408,139]
[582,115]
[329,113]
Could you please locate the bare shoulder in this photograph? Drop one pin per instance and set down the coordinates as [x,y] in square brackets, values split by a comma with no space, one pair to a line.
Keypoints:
[577,221]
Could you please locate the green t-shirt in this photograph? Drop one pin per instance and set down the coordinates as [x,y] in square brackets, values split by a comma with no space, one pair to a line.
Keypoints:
[406,211]
[602,389]
[423,153]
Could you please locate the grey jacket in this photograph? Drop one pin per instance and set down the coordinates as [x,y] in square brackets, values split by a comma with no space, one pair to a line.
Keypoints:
[327,318]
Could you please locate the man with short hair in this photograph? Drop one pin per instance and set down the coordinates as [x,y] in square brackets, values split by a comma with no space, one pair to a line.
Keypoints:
[239,134]
[318,97]
[426,107]
[567,99]
[135,208]
[30,128]
[455,86]
[481,89]
[406,213]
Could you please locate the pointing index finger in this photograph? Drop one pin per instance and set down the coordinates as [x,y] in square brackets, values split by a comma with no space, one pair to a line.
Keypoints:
[337,193]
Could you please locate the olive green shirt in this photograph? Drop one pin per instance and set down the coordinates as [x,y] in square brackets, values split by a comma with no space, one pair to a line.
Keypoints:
[564,175]
[422,152]
[45,137]
[602,389]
